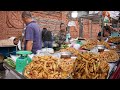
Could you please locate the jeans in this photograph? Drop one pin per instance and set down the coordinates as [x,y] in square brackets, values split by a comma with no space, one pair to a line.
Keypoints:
[48,44]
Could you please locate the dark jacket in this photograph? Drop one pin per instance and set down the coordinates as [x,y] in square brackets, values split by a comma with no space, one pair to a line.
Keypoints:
[99,34]
[46,35]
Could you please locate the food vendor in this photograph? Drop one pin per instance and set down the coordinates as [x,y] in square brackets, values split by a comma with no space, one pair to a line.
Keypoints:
[33,33]
[62,35]
[106,33]
[47,38]
[16,41]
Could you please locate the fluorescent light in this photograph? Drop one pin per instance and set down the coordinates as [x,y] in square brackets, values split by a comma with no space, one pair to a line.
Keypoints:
[74,14]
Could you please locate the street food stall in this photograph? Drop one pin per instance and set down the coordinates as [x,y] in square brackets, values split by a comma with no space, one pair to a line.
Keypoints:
[80,59]
[68,63]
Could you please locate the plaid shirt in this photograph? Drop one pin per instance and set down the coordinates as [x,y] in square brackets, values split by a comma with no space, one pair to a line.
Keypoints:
[61,38]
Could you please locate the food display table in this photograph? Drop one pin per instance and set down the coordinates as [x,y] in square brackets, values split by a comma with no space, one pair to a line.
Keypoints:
[11,73]
[107,68]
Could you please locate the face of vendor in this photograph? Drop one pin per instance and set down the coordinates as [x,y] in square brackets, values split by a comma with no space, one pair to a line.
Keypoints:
[62,27]
[106,34]
[24,20]
[15,41]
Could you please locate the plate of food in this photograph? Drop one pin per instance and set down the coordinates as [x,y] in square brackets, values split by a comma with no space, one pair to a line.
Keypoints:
[89,66]
[48,67]
[110,56]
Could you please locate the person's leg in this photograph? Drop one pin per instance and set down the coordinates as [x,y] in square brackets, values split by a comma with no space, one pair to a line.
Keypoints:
[45,44]
[50,44]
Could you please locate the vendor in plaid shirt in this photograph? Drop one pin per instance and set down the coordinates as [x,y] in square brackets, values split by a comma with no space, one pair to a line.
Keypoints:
[62,34]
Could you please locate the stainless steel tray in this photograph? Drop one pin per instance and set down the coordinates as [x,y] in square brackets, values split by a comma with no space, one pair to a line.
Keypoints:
[114,61]
[113,69]
[13,71]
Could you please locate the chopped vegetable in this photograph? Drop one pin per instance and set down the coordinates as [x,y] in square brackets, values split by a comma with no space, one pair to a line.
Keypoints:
[64,46]
[10,62]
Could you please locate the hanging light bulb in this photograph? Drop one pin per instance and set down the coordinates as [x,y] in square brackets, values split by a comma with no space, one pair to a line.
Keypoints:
[74,14]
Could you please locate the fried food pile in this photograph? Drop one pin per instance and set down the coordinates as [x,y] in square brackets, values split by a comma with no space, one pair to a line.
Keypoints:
[88,46]
[91,43]
[117,48]
[91,40]
[106,44]
[109,56]
[89,66]
[67,65]
[72,50]
[48,67]
[86,66]
[114,39]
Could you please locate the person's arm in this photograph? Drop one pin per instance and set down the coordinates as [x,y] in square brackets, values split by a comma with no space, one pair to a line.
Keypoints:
[29,45]
[42,34]
[51,36]
[99,36]
[57,38]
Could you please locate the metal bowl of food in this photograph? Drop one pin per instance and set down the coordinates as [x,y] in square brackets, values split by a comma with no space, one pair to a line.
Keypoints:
[112,45]
[65,54]
[100,48]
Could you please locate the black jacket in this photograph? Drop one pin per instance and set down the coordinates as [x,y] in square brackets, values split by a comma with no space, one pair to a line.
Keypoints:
[46,35]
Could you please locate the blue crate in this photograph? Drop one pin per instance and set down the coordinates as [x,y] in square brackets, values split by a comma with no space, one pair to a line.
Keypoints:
[6,51]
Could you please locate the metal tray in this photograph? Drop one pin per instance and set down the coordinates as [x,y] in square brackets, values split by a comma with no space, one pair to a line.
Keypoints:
[13,71]
[114,61]
[113,69]
[118,51]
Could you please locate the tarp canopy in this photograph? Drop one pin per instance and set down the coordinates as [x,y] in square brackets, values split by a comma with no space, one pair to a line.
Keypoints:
[114,14]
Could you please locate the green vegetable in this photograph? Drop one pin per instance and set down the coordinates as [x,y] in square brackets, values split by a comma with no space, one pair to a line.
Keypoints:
[64,46]
[10,62]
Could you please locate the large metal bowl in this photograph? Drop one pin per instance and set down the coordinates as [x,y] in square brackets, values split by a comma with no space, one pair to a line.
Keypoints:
[65,54]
